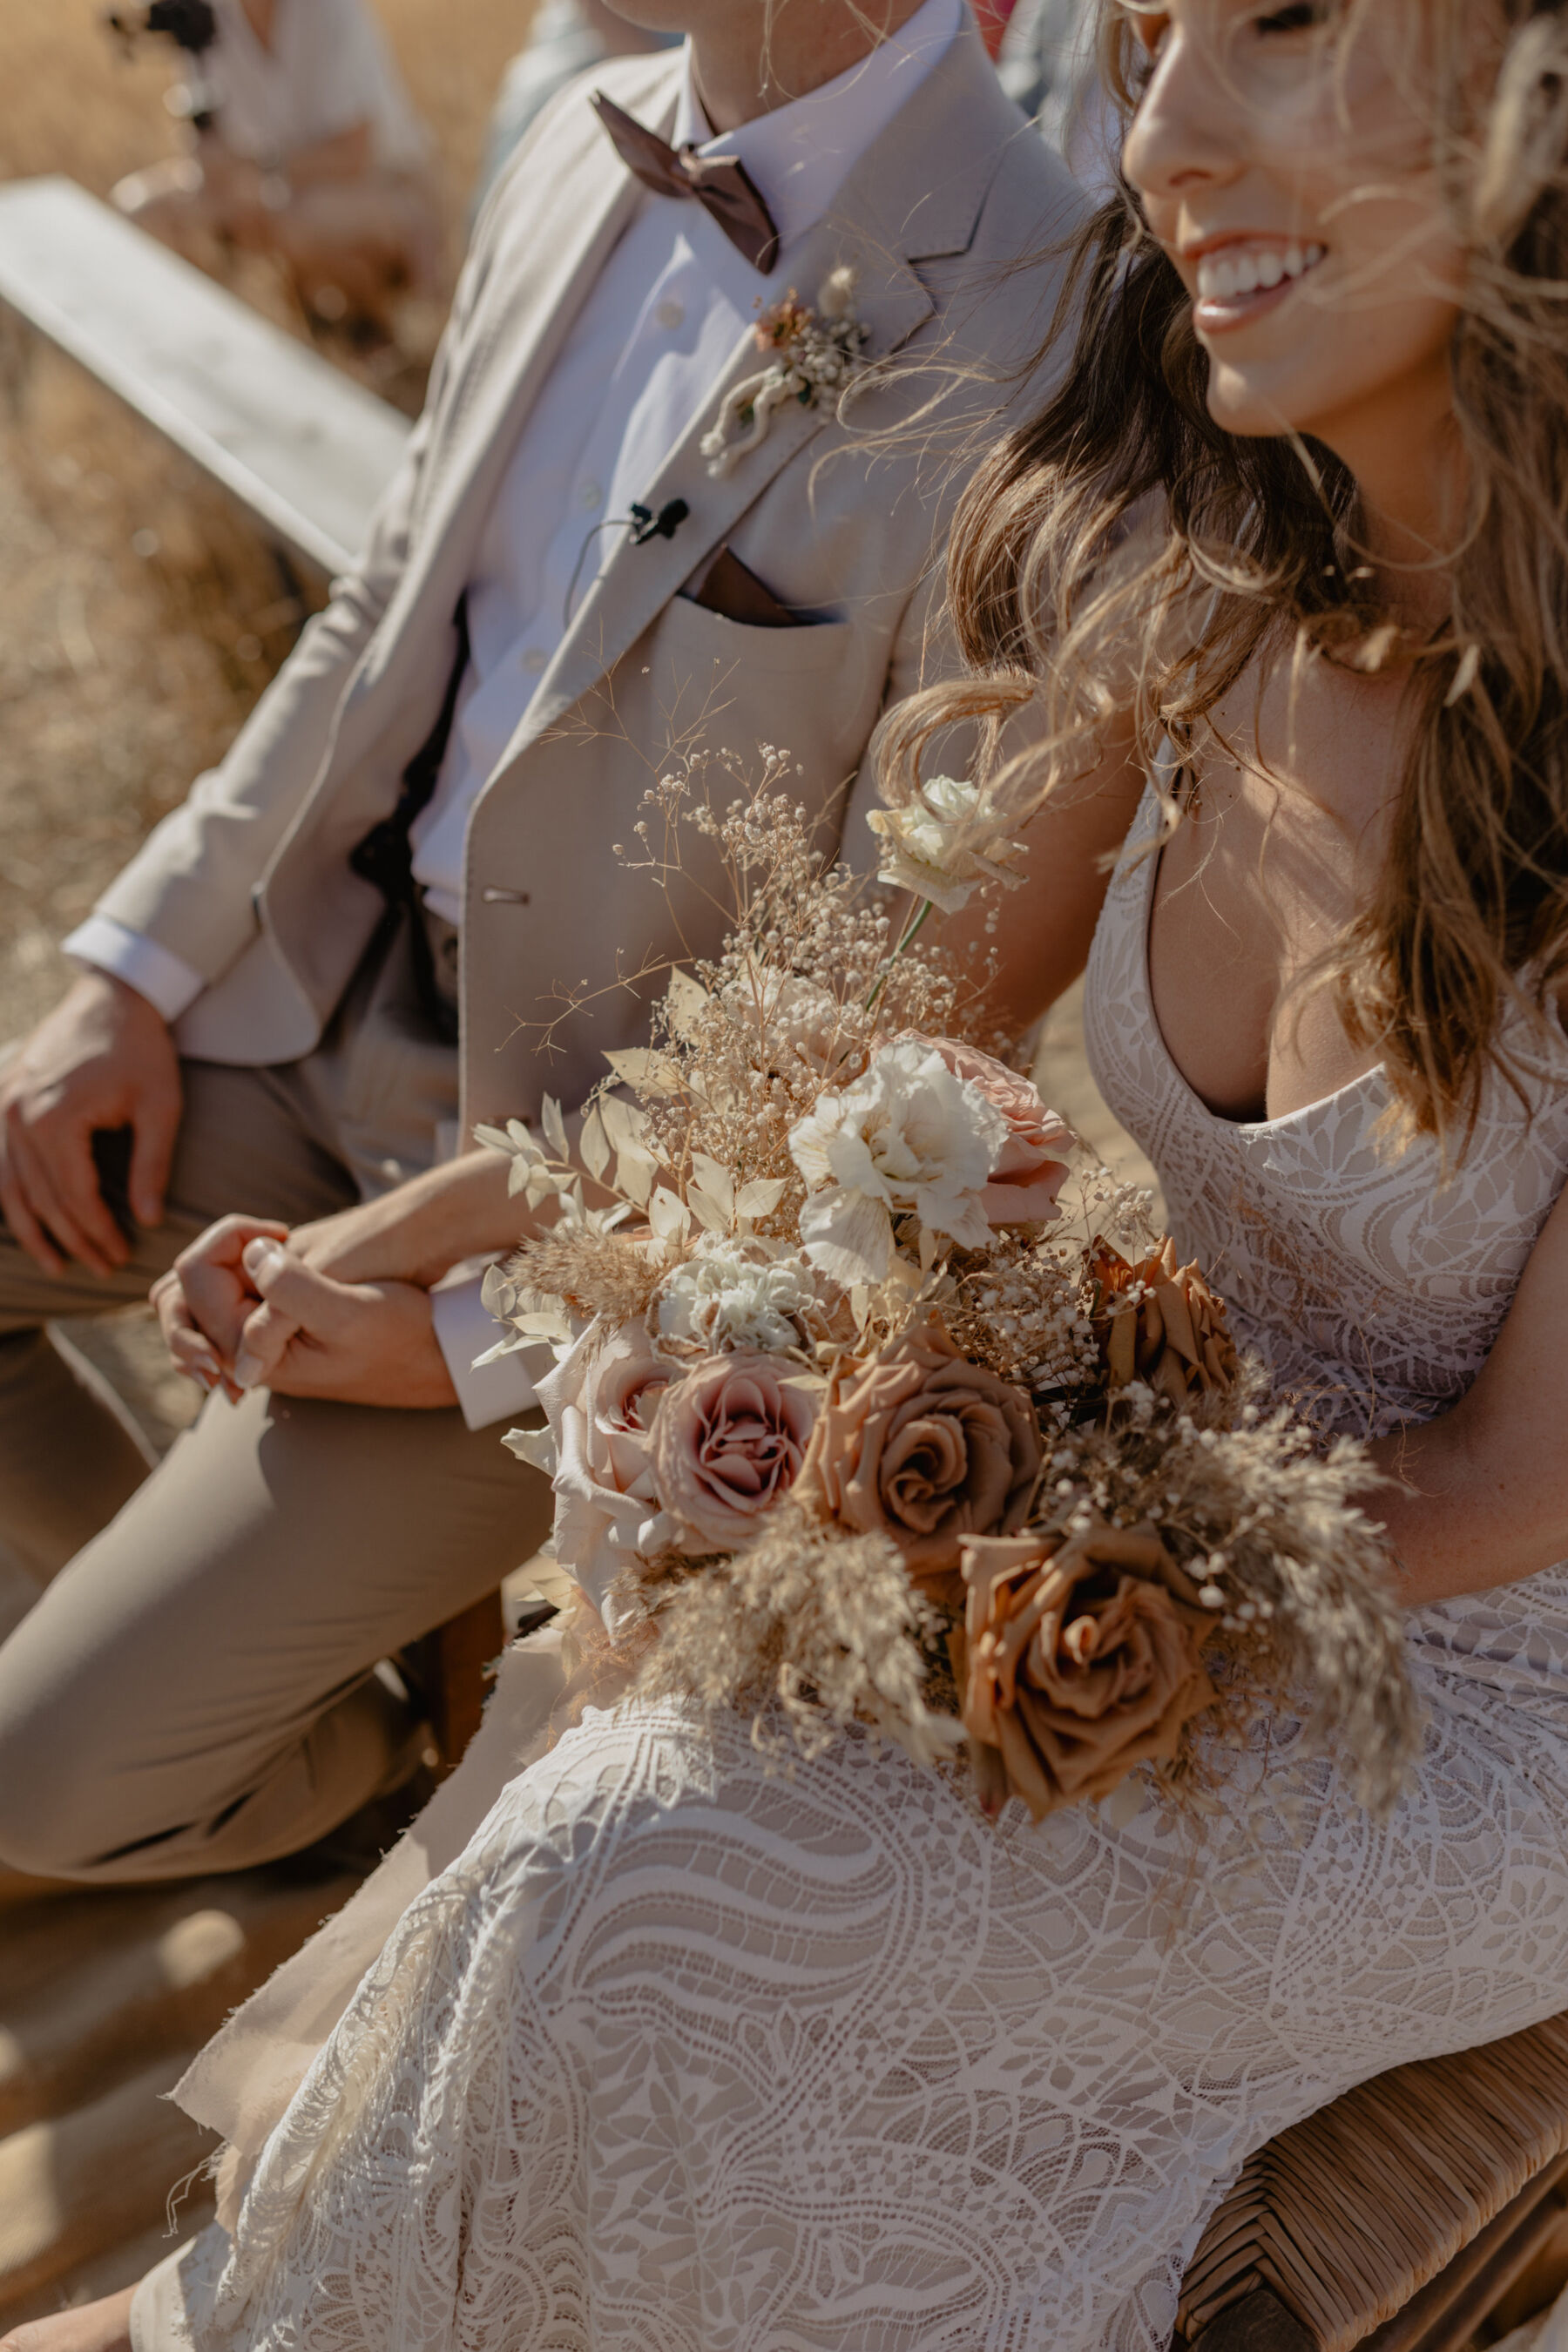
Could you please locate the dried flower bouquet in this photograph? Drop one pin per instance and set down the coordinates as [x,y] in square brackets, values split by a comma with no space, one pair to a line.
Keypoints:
[849,1422]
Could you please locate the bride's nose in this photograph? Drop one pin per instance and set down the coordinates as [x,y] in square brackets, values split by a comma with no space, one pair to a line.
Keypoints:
[1185,134]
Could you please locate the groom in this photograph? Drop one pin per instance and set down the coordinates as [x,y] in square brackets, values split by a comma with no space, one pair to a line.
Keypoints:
[398,909]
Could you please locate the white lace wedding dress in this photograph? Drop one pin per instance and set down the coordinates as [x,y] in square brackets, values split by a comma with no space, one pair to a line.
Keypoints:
[679,2057]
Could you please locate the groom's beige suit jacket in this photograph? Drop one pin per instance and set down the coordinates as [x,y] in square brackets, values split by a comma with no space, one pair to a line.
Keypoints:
[945,220]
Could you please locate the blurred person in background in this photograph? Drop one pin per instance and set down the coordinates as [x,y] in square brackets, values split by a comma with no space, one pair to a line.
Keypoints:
[1046,56]
[303,144]
[568,37]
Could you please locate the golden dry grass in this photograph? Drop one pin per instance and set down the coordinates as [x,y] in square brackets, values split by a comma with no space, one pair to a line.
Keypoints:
[140,615]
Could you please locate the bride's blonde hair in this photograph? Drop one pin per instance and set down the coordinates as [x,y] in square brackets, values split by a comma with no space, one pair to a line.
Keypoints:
[1124,537]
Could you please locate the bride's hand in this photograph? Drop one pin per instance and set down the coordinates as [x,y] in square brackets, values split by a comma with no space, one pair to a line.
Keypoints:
[355,1342]
[203,1301]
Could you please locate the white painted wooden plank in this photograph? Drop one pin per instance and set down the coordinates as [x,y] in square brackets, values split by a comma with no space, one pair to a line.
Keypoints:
[308,450]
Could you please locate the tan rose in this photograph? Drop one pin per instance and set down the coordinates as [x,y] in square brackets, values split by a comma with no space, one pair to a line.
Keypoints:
[922,1445]
[727,1441]
[1031,1169]
[1075,1662]
[1160,1323]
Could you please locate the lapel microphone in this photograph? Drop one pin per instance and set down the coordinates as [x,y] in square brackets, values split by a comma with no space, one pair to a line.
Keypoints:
[643,525]
[648,525]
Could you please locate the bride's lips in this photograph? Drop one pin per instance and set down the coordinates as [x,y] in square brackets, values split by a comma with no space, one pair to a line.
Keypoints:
[1241,279]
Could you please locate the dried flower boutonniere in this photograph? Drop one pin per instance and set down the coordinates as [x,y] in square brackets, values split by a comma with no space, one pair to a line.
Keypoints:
[808,351]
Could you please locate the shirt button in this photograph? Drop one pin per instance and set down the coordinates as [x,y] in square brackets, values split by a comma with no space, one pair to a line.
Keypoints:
[671,314]
[590,495]
[536,661]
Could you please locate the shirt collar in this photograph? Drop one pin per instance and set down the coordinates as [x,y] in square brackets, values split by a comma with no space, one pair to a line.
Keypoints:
[801,154]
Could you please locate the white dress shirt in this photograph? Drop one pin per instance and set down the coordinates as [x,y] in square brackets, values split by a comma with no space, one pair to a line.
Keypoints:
[655,333]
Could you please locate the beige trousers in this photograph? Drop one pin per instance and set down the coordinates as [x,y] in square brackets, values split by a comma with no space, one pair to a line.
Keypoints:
[194,1690]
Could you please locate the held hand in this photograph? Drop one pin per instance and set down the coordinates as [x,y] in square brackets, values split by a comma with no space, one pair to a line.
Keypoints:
[204,1299]
[356,1343]
[103,1058]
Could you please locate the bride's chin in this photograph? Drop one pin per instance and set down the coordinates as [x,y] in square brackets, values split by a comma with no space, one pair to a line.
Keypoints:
[1239,403]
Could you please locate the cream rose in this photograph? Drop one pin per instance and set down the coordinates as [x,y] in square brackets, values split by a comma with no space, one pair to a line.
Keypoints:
[907,1138]
[922,1445]
[728,1444]
[1030,1170]
[1075,1662]
[601,1403]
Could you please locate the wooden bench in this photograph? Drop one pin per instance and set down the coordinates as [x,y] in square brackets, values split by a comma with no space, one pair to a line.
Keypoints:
[301,445]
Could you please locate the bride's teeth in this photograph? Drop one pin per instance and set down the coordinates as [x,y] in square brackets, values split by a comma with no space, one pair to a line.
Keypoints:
[1222,277]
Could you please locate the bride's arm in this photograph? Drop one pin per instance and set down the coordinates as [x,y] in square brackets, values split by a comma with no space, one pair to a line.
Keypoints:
[1482,1496]
[1040,933]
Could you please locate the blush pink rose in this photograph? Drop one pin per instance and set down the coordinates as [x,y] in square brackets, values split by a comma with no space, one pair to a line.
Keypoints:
[728,1444]
[1031,1171]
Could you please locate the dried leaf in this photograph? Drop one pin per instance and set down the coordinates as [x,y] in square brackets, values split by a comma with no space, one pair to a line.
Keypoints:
[717,1181]
[706,1209]
[634,1173]
[669,1217]
[761,1197]
[593,1145]
[687,999]
[625,1126]
[554,1127]
[646,1072]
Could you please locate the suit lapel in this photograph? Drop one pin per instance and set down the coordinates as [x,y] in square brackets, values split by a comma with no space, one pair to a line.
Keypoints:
[914,196]
[639,582]
[551,261]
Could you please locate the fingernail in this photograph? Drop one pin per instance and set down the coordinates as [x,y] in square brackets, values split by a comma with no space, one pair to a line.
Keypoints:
[261,1259]
[247,1370]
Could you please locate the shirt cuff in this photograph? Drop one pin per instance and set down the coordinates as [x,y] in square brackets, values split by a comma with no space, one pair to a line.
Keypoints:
[164,978]
[465,1328]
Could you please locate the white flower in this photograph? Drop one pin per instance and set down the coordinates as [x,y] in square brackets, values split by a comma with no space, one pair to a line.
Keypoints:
[907,1137]
[733,1296]
[933,850]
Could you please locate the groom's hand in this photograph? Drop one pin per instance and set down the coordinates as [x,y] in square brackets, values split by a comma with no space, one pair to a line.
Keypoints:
[355,1343]
[103,1058]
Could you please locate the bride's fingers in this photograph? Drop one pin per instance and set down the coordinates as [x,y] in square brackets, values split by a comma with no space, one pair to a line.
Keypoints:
[190,1349]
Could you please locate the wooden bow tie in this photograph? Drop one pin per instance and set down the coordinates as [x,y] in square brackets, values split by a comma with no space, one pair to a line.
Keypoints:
[720,183]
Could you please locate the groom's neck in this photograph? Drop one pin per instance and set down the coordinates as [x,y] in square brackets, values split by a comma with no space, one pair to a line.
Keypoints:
[751,56]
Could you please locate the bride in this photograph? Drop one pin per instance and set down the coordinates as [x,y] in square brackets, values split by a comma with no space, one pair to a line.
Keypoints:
[677,2054]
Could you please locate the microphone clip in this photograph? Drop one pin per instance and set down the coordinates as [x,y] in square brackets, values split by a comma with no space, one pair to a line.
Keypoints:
[646,525]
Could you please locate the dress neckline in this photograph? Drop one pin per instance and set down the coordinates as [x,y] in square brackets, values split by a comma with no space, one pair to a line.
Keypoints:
[1217,1118]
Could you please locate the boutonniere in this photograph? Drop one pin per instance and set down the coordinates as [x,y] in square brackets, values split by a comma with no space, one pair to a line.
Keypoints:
[808,351]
